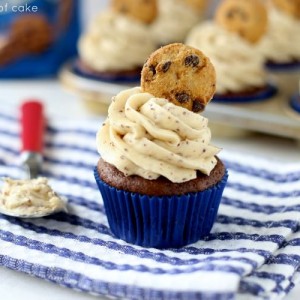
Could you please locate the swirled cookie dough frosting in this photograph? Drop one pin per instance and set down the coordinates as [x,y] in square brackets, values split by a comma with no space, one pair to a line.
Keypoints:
[237,62]
[282,41]
[173,22]
[151,137]
[115,42]
[32,196]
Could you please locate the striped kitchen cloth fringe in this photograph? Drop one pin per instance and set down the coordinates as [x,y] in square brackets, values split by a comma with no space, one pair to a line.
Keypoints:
[253,250]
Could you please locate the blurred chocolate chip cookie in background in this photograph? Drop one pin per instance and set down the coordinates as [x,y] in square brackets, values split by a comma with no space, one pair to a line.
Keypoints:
[141,10]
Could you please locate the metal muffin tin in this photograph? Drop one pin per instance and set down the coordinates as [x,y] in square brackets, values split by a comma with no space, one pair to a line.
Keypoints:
[272,116]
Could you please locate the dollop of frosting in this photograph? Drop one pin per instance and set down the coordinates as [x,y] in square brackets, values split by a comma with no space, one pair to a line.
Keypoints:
[29,197]
[282,42]
[115,42]
[238,64]
[173,22]
[152,137]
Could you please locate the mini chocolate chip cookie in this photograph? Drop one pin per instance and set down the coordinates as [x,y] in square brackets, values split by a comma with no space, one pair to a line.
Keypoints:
[32,32]
[29,34]
[291,7]
[141,10]
[248,18]
[181,74]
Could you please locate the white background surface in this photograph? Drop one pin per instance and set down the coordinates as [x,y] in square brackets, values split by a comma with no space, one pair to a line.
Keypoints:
[13,285]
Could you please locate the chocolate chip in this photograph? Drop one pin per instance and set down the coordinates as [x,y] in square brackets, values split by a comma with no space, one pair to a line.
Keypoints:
[198,106]
[230,14]
[241,33]
[192,61]
[237,12]
[182,97]
[124,9]
[166,66]
[152,69]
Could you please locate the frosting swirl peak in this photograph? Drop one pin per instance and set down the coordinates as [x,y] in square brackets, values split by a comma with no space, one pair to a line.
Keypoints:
[281,44]
[115,42]
[174,21]
[152,137]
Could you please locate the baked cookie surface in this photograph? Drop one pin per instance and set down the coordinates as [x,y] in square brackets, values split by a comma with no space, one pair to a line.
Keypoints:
[33,33]
[181,74]
[198,5]
[248,18]
[291,7]
[29,34]
[141,10]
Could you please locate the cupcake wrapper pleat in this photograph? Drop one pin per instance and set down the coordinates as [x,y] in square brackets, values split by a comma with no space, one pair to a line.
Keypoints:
[269,91]
[112,78]
[295,103]
[164,221]
[283,67]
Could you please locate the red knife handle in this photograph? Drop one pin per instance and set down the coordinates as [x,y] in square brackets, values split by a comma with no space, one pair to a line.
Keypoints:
[33,124]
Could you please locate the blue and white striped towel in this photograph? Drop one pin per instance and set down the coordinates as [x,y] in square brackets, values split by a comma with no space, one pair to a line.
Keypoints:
[253,250]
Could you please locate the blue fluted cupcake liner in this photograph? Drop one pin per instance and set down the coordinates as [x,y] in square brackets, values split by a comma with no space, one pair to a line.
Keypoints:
[295,103]
[283,67]
[116,78]
[162,221]
[269,91]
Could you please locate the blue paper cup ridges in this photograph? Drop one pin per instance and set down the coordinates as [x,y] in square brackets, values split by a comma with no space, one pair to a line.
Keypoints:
[295,103]
[161,222]
[283,67]
[268,92]
[110,78]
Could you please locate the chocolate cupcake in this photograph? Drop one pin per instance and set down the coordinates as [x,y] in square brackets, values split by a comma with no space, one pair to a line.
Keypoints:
[117,42]
[281,45]
[159,176]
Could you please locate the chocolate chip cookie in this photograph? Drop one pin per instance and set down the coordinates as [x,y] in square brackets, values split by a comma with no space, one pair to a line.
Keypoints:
[29,34]
[141,10]
[247,18]
[181,74]
[291,7]
[33,32]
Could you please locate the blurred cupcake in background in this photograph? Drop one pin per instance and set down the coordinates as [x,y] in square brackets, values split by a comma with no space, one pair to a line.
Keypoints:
[118,42]
[231,41]
[175,19]
[281,44]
